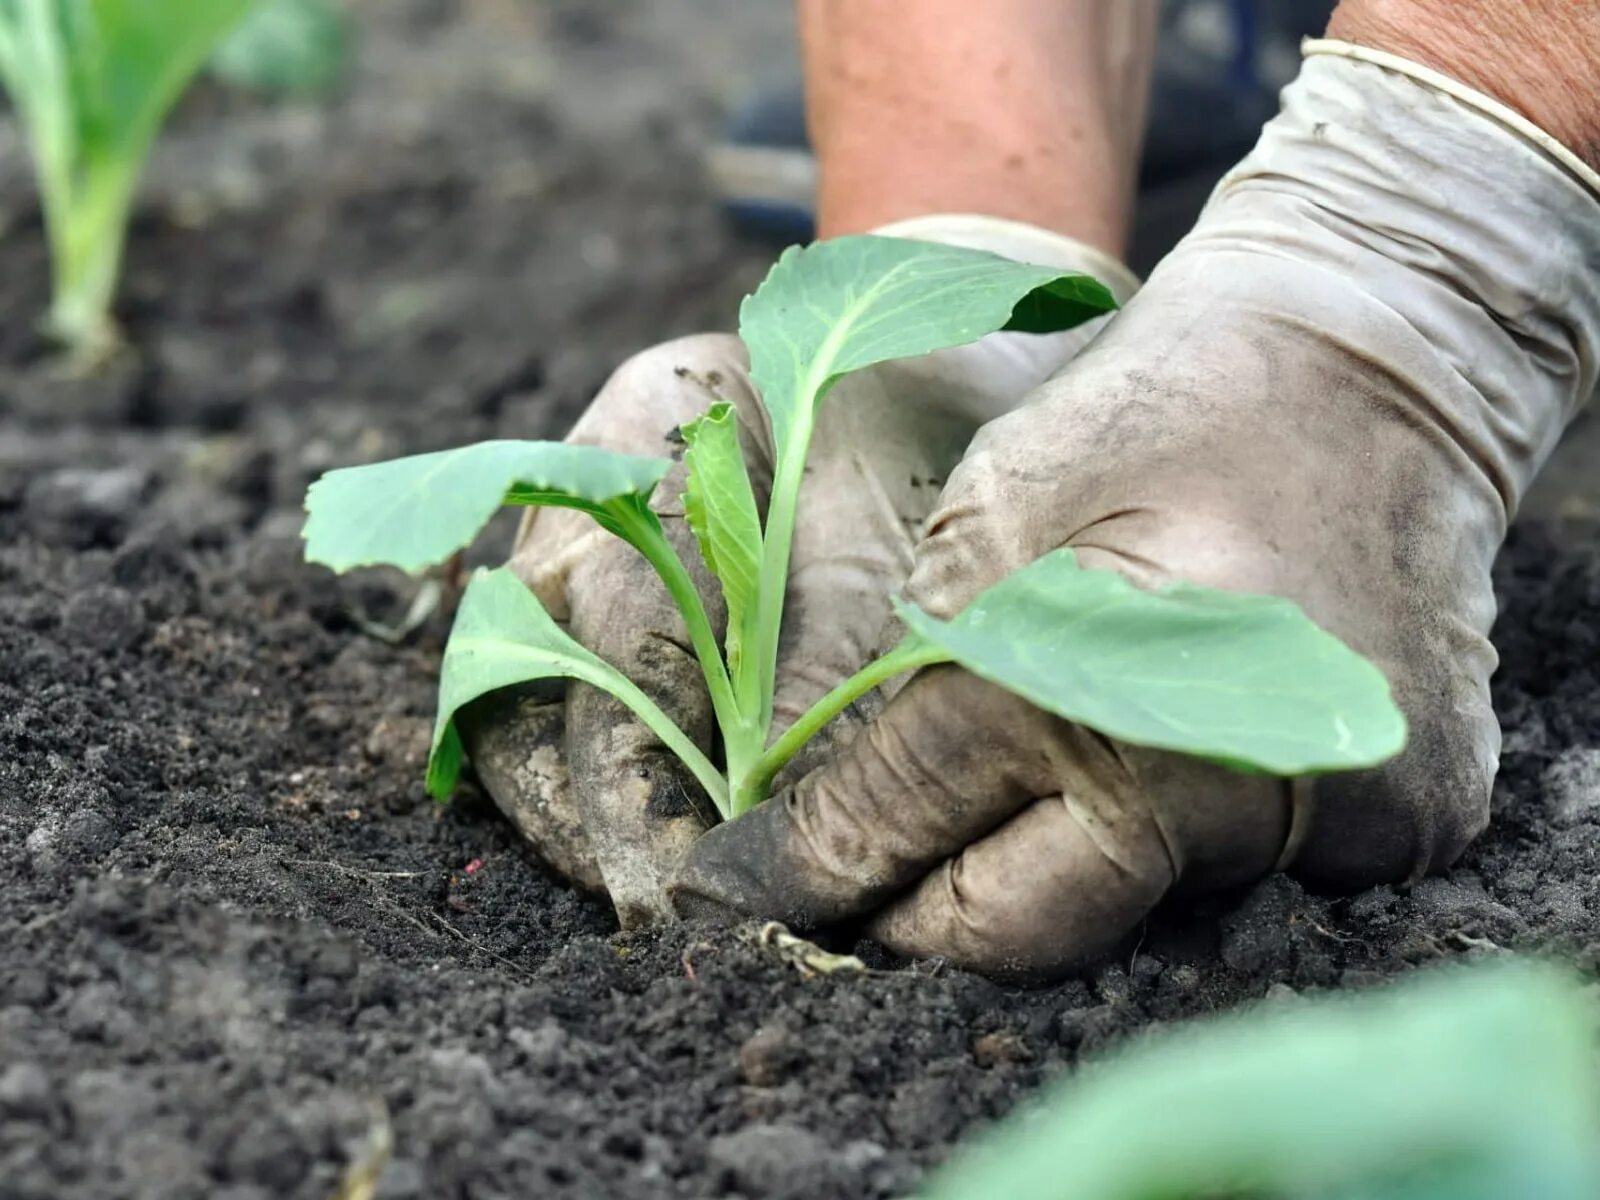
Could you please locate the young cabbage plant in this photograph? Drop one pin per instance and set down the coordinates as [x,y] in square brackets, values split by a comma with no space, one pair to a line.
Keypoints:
[1247,681]
[91,81]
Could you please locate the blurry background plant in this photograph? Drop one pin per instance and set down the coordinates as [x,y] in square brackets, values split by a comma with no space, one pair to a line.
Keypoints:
[1467,1084]
[91,82]
[288,47]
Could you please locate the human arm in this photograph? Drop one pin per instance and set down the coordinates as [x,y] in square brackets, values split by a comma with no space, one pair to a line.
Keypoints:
[1031,110]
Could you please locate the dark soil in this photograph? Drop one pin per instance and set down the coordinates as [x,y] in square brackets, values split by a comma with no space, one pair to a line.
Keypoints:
[239,942]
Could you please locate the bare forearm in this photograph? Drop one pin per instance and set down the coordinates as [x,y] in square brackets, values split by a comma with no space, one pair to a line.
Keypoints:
[1541,57]
[1027,109]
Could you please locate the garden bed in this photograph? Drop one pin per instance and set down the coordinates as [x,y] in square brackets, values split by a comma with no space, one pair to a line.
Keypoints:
[239,941]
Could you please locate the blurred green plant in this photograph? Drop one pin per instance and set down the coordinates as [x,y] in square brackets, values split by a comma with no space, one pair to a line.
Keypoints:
[1468,1084]
[287,47]
[91,82]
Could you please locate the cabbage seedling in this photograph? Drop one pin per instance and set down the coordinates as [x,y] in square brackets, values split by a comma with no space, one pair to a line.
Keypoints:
[91,81]
[1247,681]
[1470,1083]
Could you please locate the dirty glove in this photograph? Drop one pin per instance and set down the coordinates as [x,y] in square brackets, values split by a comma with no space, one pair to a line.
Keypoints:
[594,790]
[1335,389]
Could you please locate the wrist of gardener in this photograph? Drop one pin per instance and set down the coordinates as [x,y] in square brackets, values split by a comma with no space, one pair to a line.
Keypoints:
[1030,110]
[1539,57]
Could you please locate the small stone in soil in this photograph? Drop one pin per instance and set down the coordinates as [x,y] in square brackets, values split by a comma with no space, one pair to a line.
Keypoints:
[765,1160]
[103,618]
[992,1049]
[768,1055]
[25,1092]
[85,506]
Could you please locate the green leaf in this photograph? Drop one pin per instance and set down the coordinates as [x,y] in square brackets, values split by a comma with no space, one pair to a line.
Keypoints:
[503,636]
[1247,681]
[113,67]
[837,306]
[414,512]
[721,509]
[295,47]
[1471,1084]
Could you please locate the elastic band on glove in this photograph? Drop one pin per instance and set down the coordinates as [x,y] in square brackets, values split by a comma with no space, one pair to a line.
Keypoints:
[1471,97]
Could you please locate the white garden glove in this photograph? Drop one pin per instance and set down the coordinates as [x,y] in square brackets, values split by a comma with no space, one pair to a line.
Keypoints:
[1335,389]
[594,790]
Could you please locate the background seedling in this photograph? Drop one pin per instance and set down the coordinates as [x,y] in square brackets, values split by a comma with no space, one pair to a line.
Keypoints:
[1466,1085]
[286,47]
[1247,681]
[92,81]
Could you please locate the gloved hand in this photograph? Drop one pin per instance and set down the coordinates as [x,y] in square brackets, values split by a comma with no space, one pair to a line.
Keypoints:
[1335,390]
[600,798]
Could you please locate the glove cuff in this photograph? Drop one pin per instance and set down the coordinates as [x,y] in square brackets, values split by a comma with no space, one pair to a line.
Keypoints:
[1458,253]
[1509,117]
[1019,241]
